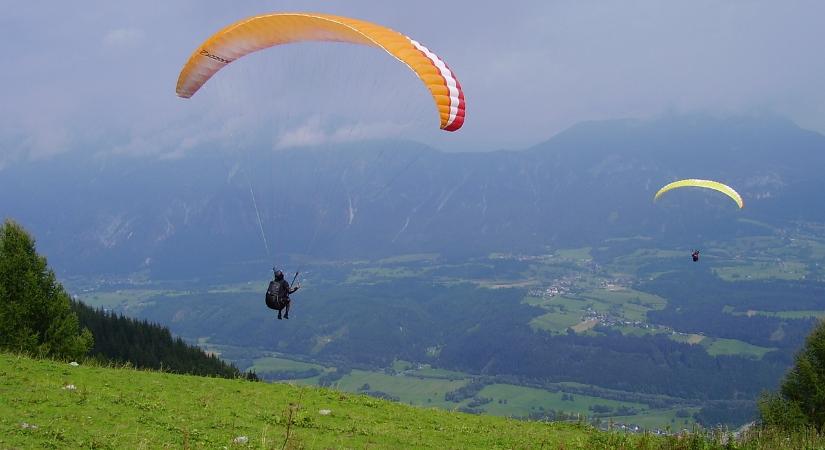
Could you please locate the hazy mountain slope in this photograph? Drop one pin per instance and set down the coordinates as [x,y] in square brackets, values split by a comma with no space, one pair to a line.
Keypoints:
[176,217]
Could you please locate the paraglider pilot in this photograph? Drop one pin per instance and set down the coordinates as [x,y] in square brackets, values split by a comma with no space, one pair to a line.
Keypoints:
[695,255]
[277,294]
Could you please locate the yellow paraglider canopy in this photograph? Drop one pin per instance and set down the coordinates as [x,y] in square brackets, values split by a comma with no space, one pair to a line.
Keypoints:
[707,184]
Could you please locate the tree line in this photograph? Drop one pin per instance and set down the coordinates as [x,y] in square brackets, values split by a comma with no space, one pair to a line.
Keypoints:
[39,318]
[122,339]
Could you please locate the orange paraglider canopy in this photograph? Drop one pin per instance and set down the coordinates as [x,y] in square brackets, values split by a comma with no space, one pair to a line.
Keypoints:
[268,30]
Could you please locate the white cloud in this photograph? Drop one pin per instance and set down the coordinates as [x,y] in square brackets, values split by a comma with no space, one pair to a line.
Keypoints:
[35,136]
[306,135]
[48,141]
[313,133]
[170,135]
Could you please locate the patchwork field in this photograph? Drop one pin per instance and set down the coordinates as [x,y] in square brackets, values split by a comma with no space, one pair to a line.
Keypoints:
[577,291]
[427,386]
[716,346]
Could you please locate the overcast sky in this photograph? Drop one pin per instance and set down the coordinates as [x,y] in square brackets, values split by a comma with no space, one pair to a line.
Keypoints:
[100,75]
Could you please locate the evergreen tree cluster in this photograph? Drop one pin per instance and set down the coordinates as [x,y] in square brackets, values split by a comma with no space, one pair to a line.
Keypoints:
[35,311]
[148,346]
[800,401]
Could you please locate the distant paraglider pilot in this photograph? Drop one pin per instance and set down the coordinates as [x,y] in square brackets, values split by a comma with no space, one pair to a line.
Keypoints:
[695,255]
[277,294]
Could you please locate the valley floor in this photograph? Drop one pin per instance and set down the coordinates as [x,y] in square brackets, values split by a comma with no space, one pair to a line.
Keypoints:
[740,314]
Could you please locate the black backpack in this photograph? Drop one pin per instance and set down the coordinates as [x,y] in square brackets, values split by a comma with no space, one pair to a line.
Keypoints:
[273,299]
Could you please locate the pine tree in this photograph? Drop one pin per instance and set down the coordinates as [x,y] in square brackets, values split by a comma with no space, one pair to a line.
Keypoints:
[800,401]
[35,312]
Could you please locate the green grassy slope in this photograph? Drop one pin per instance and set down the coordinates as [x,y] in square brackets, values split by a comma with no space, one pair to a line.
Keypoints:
[51,404]
[126,408]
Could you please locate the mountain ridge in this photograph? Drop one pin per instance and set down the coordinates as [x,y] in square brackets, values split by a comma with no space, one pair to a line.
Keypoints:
[593,181]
